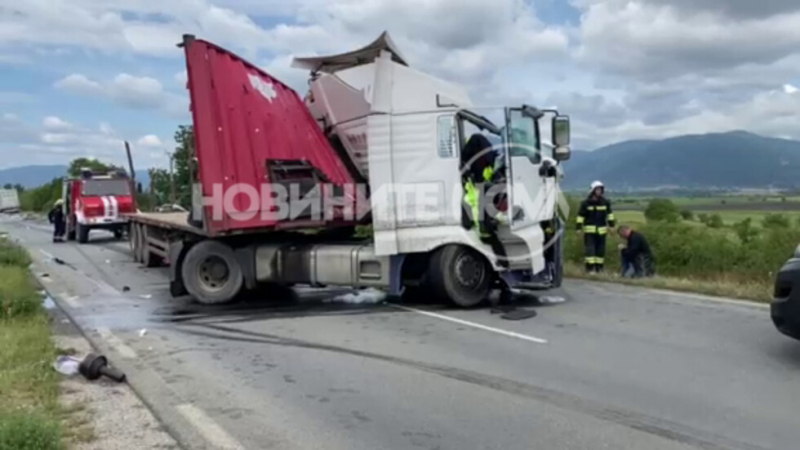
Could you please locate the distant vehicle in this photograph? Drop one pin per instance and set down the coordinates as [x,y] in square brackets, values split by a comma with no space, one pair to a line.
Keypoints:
[785,307]
[9,201]
[97,202]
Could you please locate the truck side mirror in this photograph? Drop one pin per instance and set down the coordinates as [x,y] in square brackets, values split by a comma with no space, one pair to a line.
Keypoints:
[561,138]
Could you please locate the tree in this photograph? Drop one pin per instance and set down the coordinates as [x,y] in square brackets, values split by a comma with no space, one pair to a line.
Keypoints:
[703,218]
[775,221]
[160,185]
[8,186]
[746,231]
[663,210]
[687,215]
[92,164]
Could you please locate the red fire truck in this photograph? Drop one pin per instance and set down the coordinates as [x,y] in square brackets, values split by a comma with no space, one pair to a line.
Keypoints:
[95,201]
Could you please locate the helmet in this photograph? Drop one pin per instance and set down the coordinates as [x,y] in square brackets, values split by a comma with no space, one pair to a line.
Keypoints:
[595,185]
[59,202]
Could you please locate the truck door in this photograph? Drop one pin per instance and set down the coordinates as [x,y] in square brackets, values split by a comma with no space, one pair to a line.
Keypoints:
[531,196]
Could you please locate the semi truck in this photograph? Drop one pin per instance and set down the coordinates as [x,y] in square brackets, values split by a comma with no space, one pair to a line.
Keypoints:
[359,183]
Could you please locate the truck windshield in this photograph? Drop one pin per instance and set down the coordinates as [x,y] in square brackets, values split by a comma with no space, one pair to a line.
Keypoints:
[105,187]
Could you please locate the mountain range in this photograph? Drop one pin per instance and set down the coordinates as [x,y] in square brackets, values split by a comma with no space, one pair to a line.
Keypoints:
[731,160]
[34,176]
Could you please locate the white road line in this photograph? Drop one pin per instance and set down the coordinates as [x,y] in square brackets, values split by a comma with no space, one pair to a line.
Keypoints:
[115,342]
[512,334]
[208,428]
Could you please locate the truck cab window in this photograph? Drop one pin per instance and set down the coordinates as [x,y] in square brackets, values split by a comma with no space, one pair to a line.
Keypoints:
[524,136]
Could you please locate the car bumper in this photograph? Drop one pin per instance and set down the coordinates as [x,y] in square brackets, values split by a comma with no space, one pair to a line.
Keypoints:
[785,308]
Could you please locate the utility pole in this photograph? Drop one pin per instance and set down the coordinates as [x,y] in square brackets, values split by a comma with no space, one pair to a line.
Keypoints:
[173,198]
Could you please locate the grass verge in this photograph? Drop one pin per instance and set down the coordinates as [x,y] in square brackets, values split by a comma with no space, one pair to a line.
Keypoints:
[30,415]
[722,287]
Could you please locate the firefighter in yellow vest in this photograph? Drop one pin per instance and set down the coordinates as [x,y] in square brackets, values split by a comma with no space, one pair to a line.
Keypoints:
[477,181]
[595,217]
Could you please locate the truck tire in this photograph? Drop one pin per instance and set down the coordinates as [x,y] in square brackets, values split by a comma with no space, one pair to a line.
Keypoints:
[148,258]
[83,233]
[461,275]
[133,241]
[211,273]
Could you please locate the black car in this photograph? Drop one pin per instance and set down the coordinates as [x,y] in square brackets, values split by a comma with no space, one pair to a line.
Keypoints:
[786,302]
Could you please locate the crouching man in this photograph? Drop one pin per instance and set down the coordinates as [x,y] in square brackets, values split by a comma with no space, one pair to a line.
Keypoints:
[636,256]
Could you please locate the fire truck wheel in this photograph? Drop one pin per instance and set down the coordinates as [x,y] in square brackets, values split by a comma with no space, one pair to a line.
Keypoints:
[461,275]
[83,233]
[118,234]
[211,273]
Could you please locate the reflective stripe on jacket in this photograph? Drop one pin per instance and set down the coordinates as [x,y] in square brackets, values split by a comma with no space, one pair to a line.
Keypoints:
[595,216]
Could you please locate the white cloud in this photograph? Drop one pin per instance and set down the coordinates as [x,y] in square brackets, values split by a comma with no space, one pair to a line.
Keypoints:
[54,123]
[129,91]
[150,141]
[181,77]
[56,140]
[789,89]
[79,84]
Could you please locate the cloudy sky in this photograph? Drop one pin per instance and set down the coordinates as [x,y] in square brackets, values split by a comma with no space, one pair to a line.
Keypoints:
[79,76]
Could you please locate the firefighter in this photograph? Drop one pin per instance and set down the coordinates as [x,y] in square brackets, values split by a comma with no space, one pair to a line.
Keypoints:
[477,180]
[56,217]
[595,217]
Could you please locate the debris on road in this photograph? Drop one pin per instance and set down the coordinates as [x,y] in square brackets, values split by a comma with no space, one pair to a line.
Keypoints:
[67,365]
[365,296]
[94,366]
[551,300]
[125,288]
[519,314]
[146,296]
[142,332]
[59,261]
[108,261]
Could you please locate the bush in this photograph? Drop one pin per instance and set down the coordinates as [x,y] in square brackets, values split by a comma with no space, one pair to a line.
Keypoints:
[703,218]
[18,297]
[41,199]
[715,221]
[775,221]
[687,215]
[746,231]
[27,431]
[13,255]
[662,210]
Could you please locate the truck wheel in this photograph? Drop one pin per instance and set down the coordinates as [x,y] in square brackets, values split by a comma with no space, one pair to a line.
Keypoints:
[133,241]
[211,273]
[118,233]
[460,274]
[148,258]
[83,233]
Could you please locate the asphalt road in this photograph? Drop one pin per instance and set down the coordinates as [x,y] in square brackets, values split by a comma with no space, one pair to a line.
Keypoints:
[613,367]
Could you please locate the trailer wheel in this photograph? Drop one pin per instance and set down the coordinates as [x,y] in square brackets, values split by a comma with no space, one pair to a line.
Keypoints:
[133,241]
[211,273]
[83,233]
[148,258]
[461,275]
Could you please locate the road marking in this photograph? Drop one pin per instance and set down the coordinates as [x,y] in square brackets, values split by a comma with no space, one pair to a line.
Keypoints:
[512,334]
[47,255]
[116,343]
[208,428]
[72,301]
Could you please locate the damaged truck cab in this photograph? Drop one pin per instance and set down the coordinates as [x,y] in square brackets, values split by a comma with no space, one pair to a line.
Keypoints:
[389,142]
